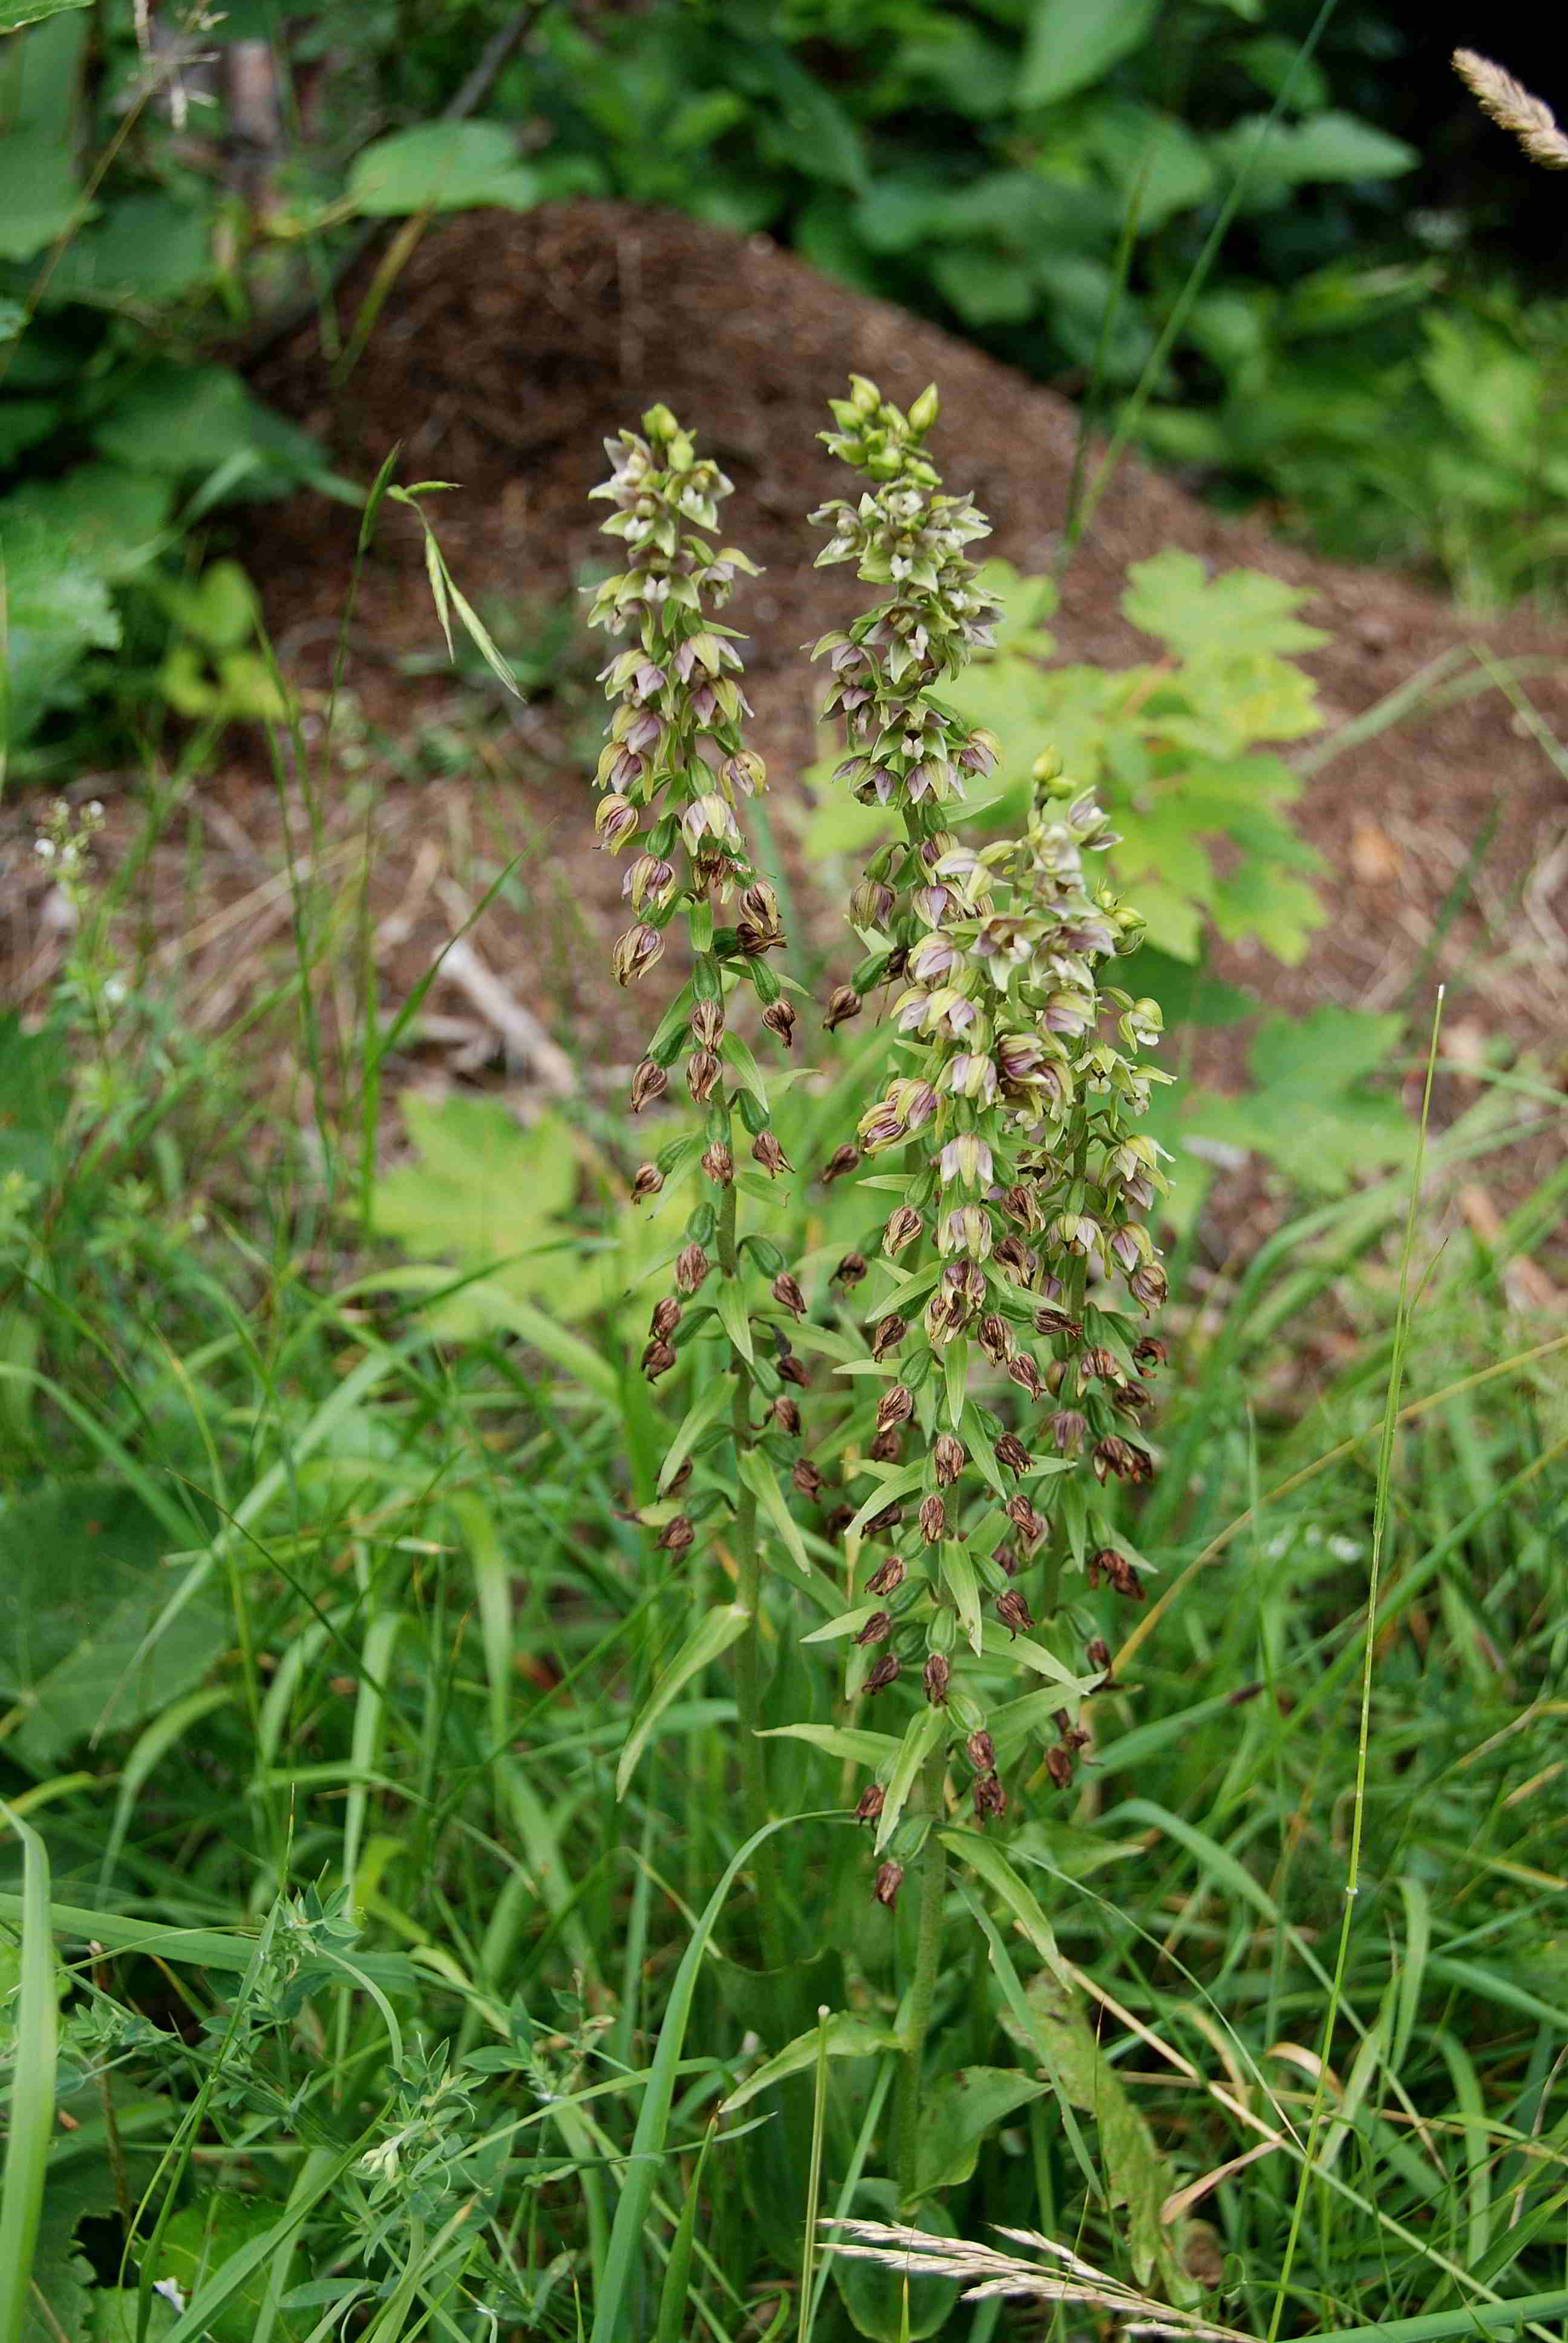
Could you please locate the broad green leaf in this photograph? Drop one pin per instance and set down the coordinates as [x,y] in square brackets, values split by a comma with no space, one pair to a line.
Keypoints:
[926,1729]
[861,1748]
[178,419]
[959,2111]
[987,287]
[80,1593]
[760,1478]
[719,1628]
[14,14]
[148,248]
[1154,159]
[848,2036]
[441,167]
[1071,43]
[1323,146]
[57,609]
[1311,1110]
[112,2316]
[1171,597]
[201,2238]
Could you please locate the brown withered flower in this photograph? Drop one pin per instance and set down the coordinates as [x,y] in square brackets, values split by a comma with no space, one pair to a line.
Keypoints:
[886,1577]
[702,1072]
[1059,1764]
[766,1151]
[844,1159]
[658,1359]
[676,1536]
[666,1318]
[936,1678]
[877,1629]
[887,1334]
[844,1004]
[896,1405]
[872,1799]
[646,1181]
[649,1082]
[787,1294]
[1012,1452]
[779,1019]
[719,1164]
[850,1270]
[949,1457]
[1122,1459]
[808,1479]
[887,1447]
[1013,1612]
[881,1674]
[786,1416]
[933,1520]
[792,1371]
[691,1266]
[981,1751]
[889,1879]
[990,1798]
[903,1227]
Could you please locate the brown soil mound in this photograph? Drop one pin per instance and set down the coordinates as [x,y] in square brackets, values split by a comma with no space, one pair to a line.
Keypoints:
[509,346]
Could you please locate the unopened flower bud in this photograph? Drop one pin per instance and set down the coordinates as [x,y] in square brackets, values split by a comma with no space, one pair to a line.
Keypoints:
[1010,1450]
[877,1629]
[904,1226]
[808,1479]
[676,1535]
[872,1800]
[982,1752]
[845,1003]
[1013,1612]
[850,1270]
[889,1879]
[881,1674]
[936,1678]
[648,1181]
[718,1163]
[780,1018]
[702,1072]
[872,904]
[691,1266]
[842,1160]
[933,1520]
[650,1082]
[786,1416]
[948,1456]
[666,1318]
[886,1577]
[887,1334]
[896,1405]
[766,1151]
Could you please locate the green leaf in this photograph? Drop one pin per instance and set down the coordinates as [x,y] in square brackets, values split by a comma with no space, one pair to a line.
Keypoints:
[35,1093]
[14,14]
[718,1629]
[998,1645]
[56,609]
[924,1731]
[883,2303]
[441,167]
[709,1405]
[112,2316]
[179,419]
[847,1622]
[1171,597]
[1311,1110]
[80,1593]
[39,195]
[101,517]
[956,2114]
[850,1741]
[957,1572]
[148,248]
[761,1480]
[731,1304]
[989,1865]
[846,2036]
[1187,994]
[1071,43]
[201,2238]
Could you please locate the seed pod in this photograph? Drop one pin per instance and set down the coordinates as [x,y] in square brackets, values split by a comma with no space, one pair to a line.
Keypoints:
[650,1082]
[1013,1612]
[666,1318]
[786,1416]
[806,1478]
[937,1674]
[889,1879]
[1010,1450]
[718,1163]
[887,1334]
[850,1270]
[844,1004]
[648,1181]
[903,1227]
[780,1018]
[702,1072]
[766,1151]
[949,1457]
[982,1752]
[877,1629]
[886,1577]
[842,1160]
[658,1359]
[677,1536]
[787,1294]
[933,1520]
[881,1674]
[691,1266]
[873,1798]
[896,1405]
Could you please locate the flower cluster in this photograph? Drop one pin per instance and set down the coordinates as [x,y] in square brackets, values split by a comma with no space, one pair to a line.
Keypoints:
[1014,1113]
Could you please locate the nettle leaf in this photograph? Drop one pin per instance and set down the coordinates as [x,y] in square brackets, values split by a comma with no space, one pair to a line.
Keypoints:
[81,1591]
[1072,43]
[1171,597]
[442,167]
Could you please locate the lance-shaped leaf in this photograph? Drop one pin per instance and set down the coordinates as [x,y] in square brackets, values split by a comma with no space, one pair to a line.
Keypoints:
[850,1741]
[694,1423]
[988,1862]
[848,1623]
[998,1645]
[763,1482]
[843,2036]
[716,1631]
[921,1736]
[899,1485]
[959,1577]
[730,1305]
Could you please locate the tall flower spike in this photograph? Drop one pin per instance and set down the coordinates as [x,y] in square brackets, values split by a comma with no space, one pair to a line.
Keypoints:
[673,777]
[1014,1113]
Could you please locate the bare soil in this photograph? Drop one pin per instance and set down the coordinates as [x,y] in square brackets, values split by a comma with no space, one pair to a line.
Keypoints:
[505,350]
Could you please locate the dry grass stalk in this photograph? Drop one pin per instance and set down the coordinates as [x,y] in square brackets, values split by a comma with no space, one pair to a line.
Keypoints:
[987,2272]
[1512,106]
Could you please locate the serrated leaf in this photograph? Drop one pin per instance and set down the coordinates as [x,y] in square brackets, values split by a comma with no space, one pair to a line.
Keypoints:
[1171,597]
[720,1627]
[763,1482]
[845,2037]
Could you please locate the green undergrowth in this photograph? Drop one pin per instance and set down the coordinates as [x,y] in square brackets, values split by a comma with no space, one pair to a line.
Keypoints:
[364,2004]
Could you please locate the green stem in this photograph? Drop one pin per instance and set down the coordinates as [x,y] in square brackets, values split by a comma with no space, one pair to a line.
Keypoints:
[923,1987]
[748,1650]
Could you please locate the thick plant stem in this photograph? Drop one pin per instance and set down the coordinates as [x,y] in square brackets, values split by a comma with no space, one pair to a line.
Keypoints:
[923,1987]
[748,1594]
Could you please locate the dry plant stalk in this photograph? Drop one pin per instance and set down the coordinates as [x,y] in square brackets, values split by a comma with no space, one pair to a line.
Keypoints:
[1514,109]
